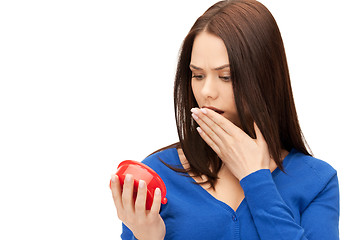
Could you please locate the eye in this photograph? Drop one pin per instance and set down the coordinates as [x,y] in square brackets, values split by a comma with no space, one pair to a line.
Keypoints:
[198,77]
[225,78]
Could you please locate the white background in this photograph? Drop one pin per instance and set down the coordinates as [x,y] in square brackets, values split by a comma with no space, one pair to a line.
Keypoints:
[87,84]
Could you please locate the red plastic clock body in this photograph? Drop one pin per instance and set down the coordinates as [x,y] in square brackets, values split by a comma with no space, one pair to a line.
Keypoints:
[140,171]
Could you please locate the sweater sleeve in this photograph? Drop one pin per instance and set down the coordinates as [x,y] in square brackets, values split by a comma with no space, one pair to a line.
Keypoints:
[321,218]
[274,219]
[126,233]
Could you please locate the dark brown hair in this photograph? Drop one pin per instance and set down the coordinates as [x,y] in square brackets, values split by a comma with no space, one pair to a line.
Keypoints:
[260,79]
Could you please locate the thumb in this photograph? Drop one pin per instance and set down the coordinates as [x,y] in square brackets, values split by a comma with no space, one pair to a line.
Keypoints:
[259,136]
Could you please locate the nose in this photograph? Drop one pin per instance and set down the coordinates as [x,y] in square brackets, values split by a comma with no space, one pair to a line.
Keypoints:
[210,88]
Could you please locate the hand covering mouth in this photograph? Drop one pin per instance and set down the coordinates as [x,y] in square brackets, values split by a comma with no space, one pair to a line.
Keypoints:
[214,109]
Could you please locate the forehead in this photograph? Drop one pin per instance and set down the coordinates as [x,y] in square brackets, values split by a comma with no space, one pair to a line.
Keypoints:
[209,51]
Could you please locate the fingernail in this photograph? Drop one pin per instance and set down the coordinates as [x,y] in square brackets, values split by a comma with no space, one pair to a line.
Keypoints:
[194,110]
[194,116]
[128,177]
[141,184]
[113,178]
[199,129]
[157,192]
[204,110]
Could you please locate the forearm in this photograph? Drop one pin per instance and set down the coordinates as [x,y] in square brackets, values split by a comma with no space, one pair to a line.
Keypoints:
[272,217]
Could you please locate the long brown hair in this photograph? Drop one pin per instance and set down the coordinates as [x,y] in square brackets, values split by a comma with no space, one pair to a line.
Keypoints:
[260,78]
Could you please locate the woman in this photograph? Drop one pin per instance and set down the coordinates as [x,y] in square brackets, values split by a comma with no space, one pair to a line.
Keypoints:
[241,169]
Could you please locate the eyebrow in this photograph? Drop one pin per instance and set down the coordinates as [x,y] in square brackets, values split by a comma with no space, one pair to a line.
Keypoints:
[217,68]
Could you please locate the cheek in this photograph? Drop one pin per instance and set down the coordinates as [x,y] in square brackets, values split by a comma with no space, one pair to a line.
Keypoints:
[195,90]
[229,96]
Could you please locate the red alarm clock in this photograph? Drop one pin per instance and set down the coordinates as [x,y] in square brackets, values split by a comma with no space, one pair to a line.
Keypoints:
[140,171]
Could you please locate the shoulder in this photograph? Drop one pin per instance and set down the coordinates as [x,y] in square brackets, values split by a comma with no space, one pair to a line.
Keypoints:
[156,160]
[305,179]
[306,176]
[312,168]
[160,162]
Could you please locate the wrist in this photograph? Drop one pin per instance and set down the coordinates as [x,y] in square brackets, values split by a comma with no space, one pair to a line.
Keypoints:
[135,238]
[148,237]
[250,171]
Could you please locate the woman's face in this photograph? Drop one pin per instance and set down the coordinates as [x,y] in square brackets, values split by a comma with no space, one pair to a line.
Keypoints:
[211,82]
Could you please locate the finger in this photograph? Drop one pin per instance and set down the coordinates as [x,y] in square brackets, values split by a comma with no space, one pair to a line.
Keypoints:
[207,123]
[141,199]
[209,141]
[127,194]
[116,193]
[222,122]
[155,208]
[216,138]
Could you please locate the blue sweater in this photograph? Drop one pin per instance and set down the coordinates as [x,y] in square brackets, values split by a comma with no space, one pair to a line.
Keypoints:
[302,203]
